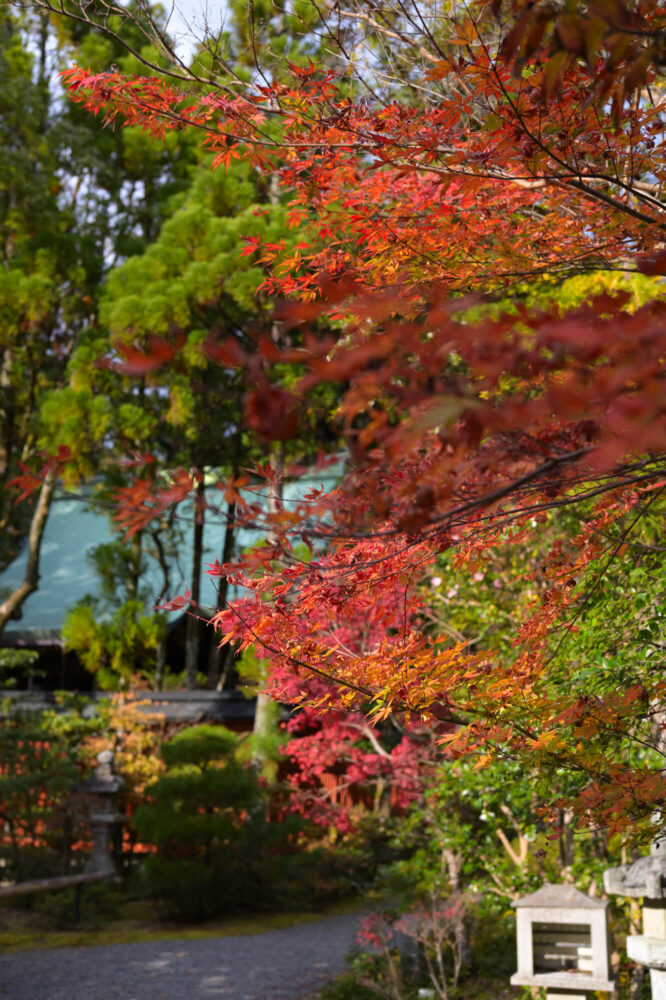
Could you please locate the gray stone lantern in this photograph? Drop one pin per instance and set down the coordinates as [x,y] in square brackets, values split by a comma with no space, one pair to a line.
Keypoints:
[102,788]
[646,879]
[563,943]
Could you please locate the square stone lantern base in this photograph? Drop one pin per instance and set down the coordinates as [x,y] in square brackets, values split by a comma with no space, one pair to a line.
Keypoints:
[650,951]
[566,995]
[658,984]
[646,879]
[565,984]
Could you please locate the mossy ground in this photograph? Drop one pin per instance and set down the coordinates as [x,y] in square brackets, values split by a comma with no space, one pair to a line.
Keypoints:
[24,930]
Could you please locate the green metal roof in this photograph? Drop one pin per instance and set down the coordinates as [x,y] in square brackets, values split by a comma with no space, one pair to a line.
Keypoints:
[66,575]
[73,530]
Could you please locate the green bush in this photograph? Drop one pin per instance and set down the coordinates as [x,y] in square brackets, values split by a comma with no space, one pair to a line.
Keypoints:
[205,817]
[98,903]
[347,987]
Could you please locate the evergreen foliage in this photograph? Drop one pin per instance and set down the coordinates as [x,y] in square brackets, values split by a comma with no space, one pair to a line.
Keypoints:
[204,816]
[74,200]
[38,783]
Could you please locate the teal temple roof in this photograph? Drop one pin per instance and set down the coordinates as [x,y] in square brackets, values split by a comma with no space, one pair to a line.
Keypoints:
[73,530]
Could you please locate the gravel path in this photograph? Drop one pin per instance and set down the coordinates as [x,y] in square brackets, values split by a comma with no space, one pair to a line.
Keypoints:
[290,964]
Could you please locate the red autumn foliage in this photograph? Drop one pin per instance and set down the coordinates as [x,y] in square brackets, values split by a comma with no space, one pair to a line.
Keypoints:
[533,154]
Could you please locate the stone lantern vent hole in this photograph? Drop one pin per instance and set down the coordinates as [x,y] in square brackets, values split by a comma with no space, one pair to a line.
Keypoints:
[562,947]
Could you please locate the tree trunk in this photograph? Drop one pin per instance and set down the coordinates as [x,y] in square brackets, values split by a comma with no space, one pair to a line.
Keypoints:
[136,551]
[12,604]
[193,631]
[221,657]
[463,946]
[160,652]
[264,713]
[263,721]
[160,664]
[566,844]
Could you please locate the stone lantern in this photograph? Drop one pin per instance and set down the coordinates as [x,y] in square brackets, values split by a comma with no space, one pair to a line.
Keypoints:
[646,879]
[563,943]
[102,788]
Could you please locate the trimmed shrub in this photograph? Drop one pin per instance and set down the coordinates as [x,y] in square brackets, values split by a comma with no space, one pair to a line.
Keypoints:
[204,816]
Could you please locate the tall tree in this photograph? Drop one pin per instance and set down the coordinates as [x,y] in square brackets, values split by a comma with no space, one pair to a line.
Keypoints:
[44,293]
[75,197]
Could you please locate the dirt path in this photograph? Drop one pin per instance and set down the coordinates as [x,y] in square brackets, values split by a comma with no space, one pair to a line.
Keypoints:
[290,964]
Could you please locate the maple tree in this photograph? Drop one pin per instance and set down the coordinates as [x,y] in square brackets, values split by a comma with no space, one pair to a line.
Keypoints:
[441,206]
[343,768]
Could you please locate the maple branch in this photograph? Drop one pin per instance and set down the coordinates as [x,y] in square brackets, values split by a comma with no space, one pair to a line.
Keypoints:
[339,682]
[390,33]
[577,184]
[514,486]
[612,484]
[301,663]
[619,206]
[369,735]
[479,502]
[504,518]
